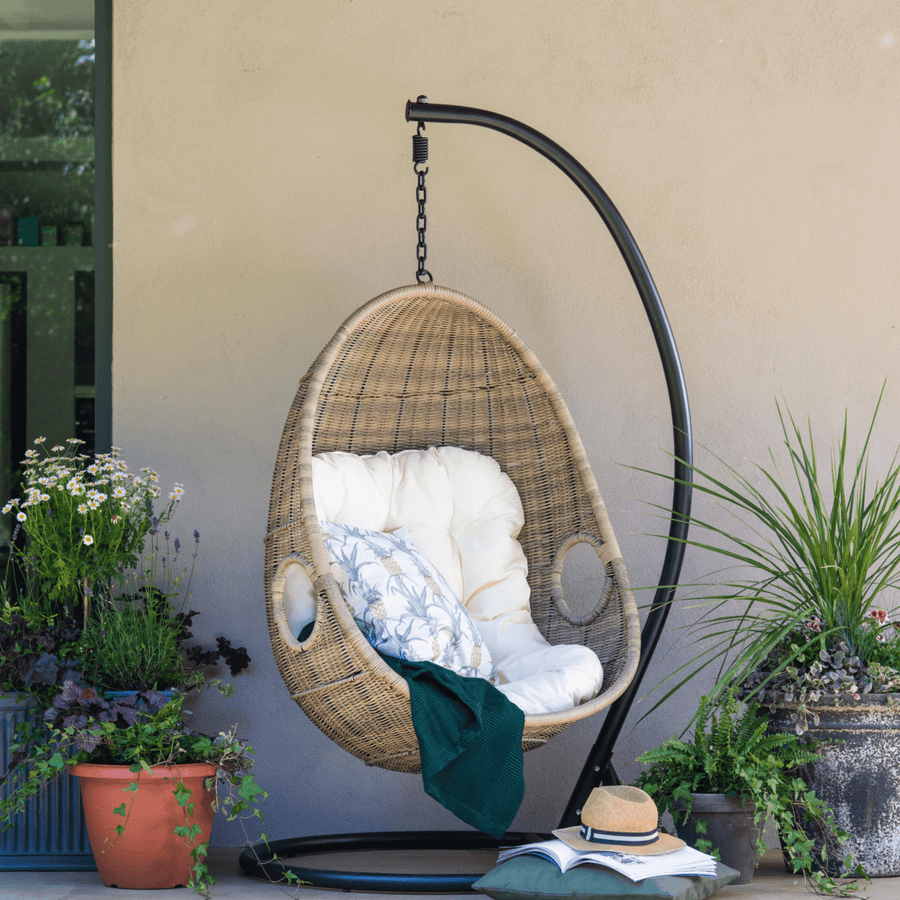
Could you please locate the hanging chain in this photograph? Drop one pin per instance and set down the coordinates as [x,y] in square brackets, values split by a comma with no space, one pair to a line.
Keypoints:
[420,157]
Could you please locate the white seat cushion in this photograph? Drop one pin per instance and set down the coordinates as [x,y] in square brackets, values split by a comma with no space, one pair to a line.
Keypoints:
[464,514]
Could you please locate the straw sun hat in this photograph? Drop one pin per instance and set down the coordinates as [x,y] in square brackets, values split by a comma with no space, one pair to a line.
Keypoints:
[620,818]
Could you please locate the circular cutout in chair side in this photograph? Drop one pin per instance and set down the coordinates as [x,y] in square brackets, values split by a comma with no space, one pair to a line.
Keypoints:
[557,591]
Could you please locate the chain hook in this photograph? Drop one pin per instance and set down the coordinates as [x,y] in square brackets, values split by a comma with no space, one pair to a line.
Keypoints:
[420,157]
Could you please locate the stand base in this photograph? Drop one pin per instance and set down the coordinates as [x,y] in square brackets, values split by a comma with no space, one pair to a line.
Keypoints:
[259,860]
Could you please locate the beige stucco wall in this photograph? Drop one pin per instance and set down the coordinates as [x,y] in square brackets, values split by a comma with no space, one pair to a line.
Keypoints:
[263,190]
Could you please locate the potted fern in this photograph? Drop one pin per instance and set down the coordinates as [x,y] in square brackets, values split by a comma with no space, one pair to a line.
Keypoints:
[735,775]
[802,620]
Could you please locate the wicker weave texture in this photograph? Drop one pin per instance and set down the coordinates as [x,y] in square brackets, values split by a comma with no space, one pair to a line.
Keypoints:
[425,366]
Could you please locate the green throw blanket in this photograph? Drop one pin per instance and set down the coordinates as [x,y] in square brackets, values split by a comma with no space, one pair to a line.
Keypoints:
[470,742]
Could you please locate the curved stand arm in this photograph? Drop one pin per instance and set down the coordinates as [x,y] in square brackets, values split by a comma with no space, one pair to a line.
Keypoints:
[598,767]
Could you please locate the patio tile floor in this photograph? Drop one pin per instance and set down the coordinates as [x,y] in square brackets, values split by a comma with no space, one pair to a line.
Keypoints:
[771,882]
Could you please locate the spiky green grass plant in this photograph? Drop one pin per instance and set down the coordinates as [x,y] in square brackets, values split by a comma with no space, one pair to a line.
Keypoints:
[821,550]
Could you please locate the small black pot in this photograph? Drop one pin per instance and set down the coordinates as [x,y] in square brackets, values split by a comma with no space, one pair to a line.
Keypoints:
[729,827]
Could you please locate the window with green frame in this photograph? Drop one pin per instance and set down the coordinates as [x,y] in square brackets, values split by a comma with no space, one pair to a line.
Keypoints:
[55,223]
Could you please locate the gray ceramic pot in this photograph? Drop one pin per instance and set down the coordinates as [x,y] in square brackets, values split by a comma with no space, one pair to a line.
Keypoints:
[729,827]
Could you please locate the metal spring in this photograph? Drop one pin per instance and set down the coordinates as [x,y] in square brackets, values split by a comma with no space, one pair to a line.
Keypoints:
[420,148]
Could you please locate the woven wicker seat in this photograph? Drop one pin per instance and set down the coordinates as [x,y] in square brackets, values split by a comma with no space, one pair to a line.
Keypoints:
[425,366]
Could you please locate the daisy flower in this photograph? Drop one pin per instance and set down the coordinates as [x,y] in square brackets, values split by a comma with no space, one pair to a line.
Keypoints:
[40,440]
[87,539]
[83,508]
[21,517]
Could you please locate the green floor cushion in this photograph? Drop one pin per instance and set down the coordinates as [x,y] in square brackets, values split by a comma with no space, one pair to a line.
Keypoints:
[533,878]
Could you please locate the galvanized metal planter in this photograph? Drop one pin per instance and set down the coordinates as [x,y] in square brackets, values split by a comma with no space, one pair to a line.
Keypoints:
[51,833]
[858,775]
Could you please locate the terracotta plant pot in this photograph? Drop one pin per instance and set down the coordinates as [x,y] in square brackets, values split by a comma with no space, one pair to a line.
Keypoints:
[148,853]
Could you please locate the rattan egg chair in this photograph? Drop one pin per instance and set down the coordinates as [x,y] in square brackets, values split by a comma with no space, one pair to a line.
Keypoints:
[425,366]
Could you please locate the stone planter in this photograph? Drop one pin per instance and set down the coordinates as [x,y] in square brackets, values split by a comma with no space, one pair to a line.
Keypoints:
[729,827]
[857,777]
[50,834]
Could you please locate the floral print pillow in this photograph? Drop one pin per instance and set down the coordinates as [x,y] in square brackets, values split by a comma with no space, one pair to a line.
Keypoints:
[402,603]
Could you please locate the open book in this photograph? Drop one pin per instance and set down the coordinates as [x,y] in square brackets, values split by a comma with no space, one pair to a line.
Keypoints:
[686,861]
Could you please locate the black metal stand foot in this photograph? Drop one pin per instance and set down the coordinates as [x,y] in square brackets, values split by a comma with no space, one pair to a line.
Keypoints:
[259,860]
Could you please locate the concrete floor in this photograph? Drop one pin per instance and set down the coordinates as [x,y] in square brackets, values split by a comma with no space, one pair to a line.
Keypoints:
[771,881]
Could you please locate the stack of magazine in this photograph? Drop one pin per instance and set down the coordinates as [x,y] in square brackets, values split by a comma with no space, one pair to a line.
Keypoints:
[686,861]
